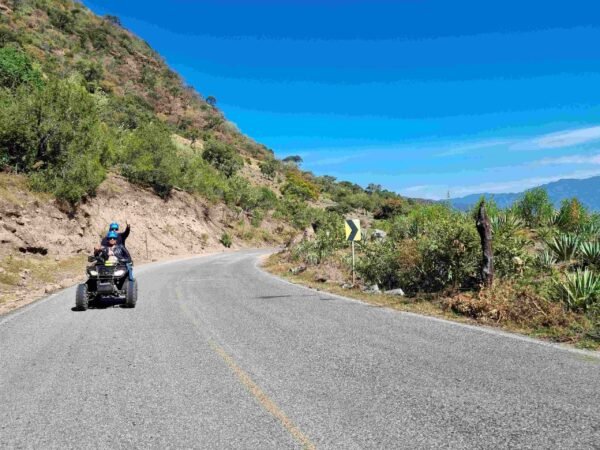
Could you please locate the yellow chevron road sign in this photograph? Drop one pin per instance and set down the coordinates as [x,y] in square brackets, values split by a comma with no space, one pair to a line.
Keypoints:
[352,227]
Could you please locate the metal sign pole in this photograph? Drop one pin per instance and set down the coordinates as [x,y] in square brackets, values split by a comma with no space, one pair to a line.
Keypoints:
[353,276]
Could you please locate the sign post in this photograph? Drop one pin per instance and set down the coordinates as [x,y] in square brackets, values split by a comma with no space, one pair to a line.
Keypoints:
[353,233]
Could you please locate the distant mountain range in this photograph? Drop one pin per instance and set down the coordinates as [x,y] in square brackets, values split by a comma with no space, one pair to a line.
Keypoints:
[586,190]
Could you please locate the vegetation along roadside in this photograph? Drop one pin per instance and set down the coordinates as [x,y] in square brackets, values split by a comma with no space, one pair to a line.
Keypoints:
[427,259]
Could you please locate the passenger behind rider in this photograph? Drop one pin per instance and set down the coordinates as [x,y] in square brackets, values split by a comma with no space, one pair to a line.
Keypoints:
[121,237]
[114,252]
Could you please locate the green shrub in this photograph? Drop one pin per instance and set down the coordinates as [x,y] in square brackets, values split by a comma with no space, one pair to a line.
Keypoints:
[268,168]
[199,176]
[222,157]
[299,187]
[16,68]
[149,157]
[535,207]
[54,133]
[380,264]
[61,19]
[226,240]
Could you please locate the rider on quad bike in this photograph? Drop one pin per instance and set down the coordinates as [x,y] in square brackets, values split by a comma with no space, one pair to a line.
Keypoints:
[111,274]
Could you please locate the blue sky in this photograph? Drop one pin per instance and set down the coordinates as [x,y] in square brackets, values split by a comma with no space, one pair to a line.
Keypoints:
[424,97]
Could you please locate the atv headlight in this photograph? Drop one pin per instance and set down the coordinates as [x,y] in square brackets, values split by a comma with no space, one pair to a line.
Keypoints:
[119,273]
[93,273]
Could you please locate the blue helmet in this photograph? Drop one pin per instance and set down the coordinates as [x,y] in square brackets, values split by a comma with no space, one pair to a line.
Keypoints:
[113,226]
[112,235]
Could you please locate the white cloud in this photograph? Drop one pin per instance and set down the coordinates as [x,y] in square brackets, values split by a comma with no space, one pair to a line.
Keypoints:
[333,161]
[561,139]
[462,149]
[593,159]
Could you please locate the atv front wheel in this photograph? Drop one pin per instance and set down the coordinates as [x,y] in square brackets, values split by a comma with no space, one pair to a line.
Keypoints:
[81,297]
[131,293]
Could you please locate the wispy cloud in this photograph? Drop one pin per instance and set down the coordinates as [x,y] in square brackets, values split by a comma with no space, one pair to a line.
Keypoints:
[333,161]
[466,148]
[561,139]
[593,159]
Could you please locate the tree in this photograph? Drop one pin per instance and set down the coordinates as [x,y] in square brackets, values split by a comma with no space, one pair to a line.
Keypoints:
[113,19]
[572,215]
[535,207]
[293,159]
[222,157]
[373,188]
[211,100]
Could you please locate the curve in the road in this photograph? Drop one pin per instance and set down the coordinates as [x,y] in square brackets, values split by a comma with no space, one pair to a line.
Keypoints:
[219,354]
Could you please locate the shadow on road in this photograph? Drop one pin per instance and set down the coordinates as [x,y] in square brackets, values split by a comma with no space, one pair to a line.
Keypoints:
[104,303]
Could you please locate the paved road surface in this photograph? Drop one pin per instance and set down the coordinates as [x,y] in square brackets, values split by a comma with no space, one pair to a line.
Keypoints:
[221,355]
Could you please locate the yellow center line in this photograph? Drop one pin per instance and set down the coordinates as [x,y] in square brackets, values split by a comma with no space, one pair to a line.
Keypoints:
[263,398]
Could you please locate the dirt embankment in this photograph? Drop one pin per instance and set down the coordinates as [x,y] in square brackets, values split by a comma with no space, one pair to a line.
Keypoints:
[43,246]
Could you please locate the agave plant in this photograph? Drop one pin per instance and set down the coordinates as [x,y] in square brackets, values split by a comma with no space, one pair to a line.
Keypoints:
[579,289]
[590,252]
[564,246]
[590,230]
[553,219]
[546,259]
[506,223]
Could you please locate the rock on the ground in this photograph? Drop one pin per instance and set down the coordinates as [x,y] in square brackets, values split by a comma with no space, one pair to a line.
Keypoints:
[398,292]
[297,270]
[379,234]
[373,289]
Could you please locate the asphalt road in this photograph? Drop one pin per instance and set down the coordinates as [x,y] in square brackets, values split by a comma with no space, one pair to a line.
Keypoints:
[218,354]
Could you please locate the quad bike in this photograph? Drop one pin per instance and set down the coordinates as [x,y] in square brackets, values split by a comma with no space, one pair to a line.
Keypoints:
[106,279]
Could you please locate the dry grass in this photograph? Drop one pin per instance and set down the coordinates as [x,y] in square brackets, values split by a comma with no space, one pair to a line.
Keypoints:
[39,271]
[507,306]
[11,184]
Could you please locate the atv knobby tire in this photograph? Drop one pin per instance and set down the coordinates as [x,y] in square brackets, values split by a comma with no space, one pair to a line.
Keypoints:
[131,291]
[81,297]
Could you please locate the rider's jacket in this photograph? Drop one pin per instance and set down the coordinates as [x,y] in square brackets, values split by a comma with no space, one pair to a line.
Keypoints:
[117,251]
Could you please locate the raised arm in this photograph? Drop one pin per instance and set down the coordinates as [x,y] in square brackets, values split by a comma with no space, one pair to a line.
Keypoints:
[125,233]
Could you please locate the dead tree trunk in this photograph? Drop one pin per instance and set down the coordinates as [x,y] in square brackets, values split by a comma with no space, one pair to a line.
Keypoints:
[484,228]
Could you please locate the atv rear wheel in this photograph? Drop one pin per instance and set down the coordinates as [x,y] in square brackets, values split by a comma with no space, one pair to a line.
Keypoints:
[81,297]
[131,290]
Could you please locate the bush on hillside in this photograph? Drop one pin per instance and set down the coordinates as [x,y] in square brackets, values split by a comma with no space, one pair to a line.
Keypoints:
[268,168]
[298,186]
[222,157]
[535,207]
[149,157]
[54,132]
[16,68]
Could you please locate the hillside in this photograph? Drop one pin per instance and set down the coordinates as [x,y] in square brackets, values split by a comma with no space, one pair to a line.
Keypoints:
[95,127]
[64,39]
[586,190]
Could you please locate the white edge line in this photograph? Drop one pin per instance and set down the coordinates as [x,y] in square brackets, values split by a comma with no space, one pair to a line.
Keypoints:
[477,328]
